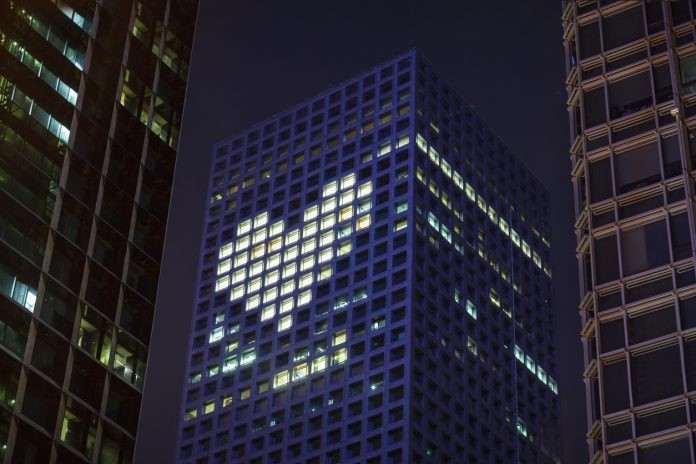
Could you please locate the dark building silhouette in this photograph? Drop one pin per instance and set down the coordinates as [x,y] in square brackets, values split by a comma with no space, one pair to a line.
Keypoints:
[631,82]
[91,94]
[374,287]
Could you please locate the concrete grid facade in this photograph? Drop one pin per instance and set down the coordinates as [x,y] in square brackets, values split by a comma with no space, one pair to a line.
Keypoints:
[374,287]
[631,74]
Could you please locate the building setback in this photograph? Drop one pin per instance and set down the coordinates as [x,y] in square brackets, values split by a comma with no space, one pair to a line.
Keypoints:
[374,287]
[91,94]
[631,81]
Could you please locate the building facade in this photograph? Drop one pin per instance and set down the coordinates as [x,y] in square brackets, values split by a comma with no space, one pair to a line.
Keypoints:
[91,95]
[631,73]
[374,287]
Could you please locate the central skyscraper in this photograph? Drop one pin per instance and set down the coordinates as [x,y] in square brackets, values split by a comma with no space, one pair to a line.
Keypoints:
[374,287]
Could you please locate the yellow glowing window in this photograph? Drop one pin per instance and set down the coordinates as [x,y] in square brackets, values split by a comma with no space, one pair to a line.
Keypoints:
[326,238]
[290,253]
[254,285]
[226,400]
[537,259]
[244,227]
[346,197]
[343,248]
[330,188]
[237,292]
[287,287]
[364,189]
[256,269]
[226,250]
[400,224]
[434,155]
[470,192]
[275,244]
[325,255]
[309,245]
[276,228]
[339,338]
[245,394]
[292,237]
[504,227]
[252,303]
[281,379]
[239,276]
[363,222]
[268,312]
[384,149]
[515,238]
[222,283]
[492,215]
[446,168]
[458,181]
[310,229]
[307,263]
[311,212]
[241,259]
[243,243]
[324,273]
[345,213]
[306,280]
[328,221]
[339,356]
[304,298]
[232,345]
[285,323]
[258,251]
[526,249]
[270,294]
[403,140]
[191,414]
[300,371]
[289,270]
[329,205]
[286,305]
[421,143]
[273,261]
[260,220]
[347,181]
[259,236]
[319,364]
[224,266]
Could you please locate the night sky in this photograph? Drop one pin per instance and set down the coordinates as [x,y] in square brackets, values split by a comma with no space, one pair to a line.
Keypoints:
[256,58]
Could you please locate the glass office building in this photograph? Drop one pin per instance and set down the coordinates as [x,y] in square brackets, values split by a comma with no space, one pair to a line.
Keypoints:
[631,74]
[374,287]
[91,95]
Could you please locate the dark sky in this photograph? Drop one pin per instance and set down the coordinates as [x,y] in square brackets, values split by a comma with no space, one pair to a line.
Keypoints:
[255,58]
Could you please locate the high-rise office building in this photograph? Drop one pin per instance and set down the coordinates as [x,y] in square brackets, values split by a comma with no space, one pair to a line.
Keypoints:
[631,82]
[91,94]
[374,287]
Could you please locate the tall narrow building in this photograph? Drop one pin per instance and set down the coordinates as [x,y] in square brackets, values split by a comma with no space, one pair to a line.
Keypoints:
[374,287]
[631,82]
[91,95]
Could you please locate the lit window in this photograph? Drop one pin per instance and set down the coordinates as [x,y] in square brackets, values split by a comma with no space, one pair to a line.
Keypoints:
[244,227]
[519,354]
[270,294]
[471,309]
[285,323]
[307,263]
[260,220]
[259,236]
[470,192]
[347,181]
[238,276]
[308,245]
[434,155]
[292,237]
[222,283]
[330,188]
[515,238]
[400,224]
[233,328]
[492,215]
[310,229]
[273,261]
[364,206]
[311,212]
[290,253]
[258,251]
[248,356]
[245,394]
[339,357]
[326,238]
[345,213]
[254,285]
[229,364]
[504,226]
[304,298]
[481,203]
[525,249]
[268,312]
[346,197]
[289,270]
[300,371]
[191,414]
[328,221]
[363,222]
[324,273]
[325,255]
[306,280]
[471,345]
[339,338]
[541,374]
[319,364]
[421,143]
[287,287]
[252,302]
[537,259]
[343,248]
[224,267]
[401,207]
[275,244]
[364,189]
[281,379]
[256,269]
[226,250]
[446,169]
[241,259]
[403,140]
[276,228]
[213,370]
[237,292]
[216,334]
[301,353]
[458,181]
[384,149]
[329,205]
[529,362]
[344,231]
[286,305]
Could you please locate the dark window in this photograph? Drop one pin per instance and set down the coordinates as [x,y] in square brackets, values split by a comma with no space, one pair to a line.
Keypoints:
[656,375]
[606,259]
[644,247]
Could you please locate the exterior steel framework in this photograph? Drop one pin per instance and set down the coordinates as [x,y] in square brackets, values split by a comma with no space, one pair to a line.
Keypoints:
[91,94]
[631,81]
[374,287]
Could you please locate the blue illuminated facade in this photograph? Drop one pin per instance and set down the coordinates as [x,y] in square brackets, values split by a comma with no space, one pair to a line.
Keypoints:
[374,287]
